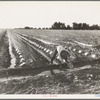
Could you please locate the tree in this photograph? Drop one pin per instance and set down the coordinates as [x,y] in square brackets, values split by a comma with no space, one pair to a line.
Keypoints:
[39,28]
[80,26]
[68,27]
[43,28]
[58,25]
[95,27]
[47,28]
[27,27]
[85,26]
[75,26]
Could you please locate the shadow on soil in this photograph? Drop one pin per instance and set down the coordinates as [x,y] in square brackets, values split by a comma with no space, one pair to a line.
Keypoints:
[27,70]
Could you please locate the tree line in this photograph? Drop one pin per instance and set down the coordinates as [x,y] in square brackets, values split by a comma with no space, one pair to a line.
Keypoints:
[75,26]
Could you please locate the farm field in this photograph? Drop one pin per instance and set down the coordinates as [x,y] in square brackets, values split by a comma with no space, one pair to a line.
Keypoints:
[27,70]
[61,36]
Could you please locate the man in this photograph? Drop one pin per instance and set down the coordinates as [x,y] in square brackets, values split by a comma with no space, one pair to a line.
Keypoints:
[63,55]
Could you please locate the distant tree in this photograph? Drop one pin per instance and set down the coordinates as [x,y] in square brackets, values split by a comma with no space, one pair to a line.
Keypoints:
[95,27]
[68,27]
[27,27]
[75,25]
[39,28]
[50,28]
[43,28]
[85,26]
[80,26]
[46,28]
[58,25]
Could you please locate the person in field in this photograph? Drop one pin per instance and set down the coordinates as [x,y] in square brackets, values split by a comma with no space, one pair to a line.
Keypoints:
[63,54]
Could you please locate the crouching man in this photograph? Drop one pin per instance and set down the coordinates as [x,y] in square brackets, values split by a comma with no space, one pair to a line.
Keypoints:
[63,54]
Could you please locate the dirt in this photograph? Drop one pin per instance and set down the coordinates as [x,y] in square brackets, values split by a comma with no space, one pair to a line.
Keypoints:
[4,51]
[85,81]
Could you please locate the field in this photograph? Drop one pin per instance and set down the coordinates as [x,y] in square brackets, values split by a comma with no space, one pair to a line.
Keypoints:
[26,54]
[61,36]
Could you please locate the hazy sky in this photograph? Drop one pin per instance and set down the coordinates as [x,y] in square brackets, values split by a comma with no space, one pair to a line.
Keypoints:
[45,13]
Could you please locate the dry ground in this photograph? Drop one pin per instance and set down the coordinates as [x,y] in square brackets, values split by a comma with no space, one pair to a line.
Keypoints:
[86,82]
[4,51]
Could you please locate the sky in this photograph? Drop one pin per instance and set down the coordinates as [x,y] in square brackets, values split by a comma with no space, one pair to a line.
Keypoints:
[18,14]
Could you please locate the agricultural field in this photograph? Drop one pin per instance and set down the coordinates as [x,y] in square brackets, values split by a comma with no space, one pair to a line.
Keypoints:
[4,51]
[25,56]
[61,36]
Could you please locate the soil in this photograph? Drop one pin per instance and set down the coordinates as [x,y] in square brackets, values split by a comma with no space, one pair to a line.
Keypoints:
[4,51]
[84,81]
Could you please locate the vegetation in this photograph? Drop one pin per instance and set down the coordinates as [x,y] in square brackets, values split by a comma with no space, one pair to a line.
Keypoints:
[27,27]
[75,26]
[58,25]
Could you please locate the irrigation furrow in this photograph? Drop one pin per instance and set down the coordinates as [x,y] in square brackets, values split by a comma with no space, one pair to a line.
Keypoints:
[84,44]
[13,58]
[29,42]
